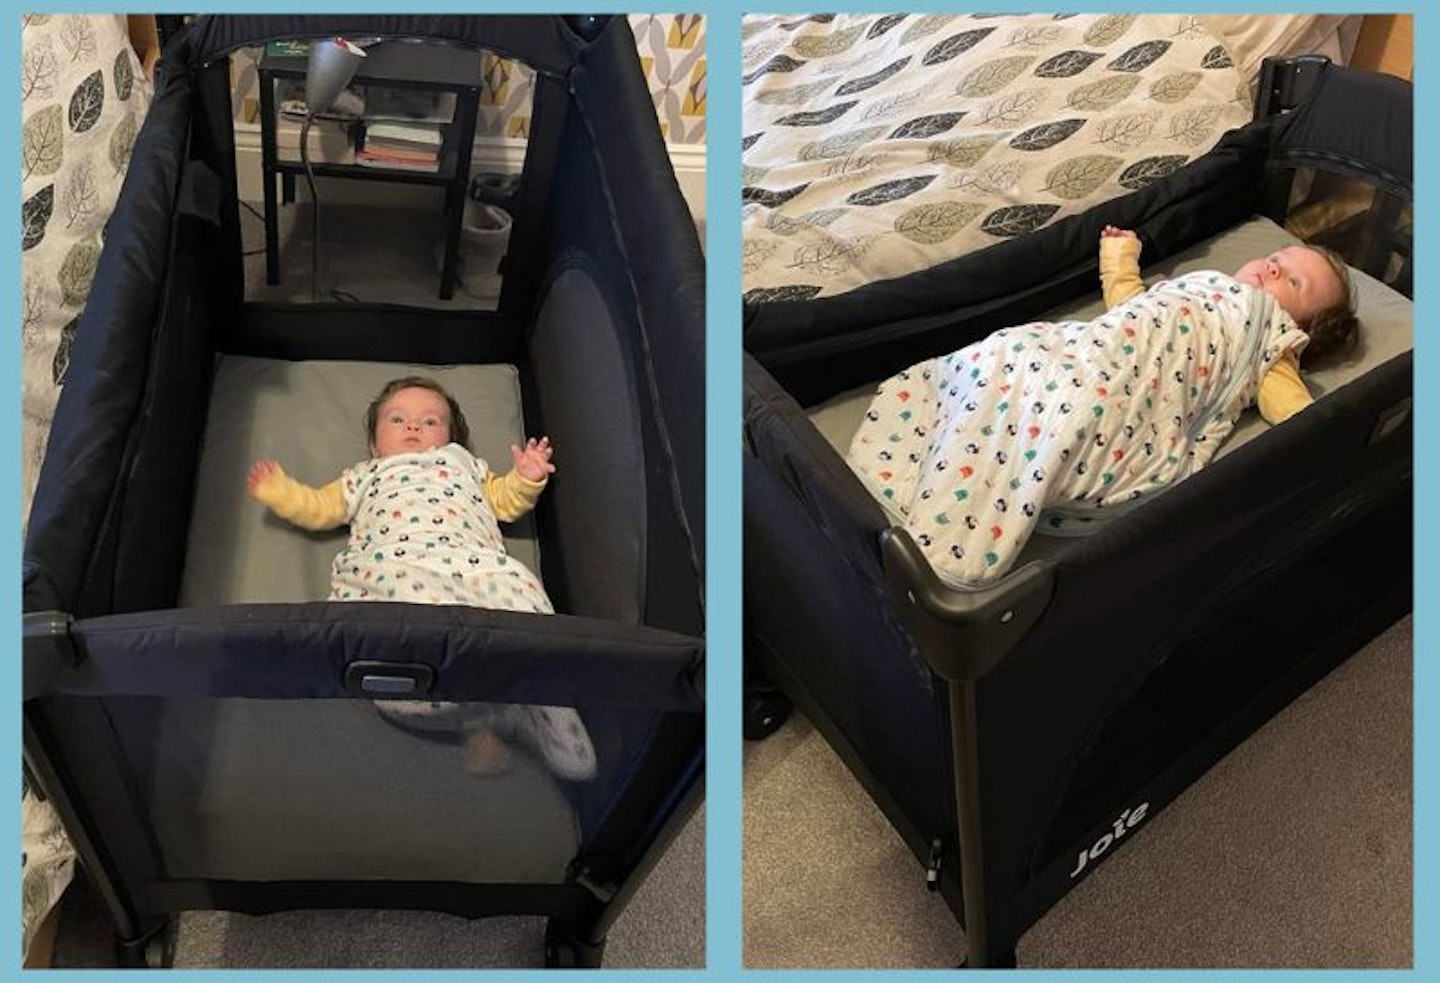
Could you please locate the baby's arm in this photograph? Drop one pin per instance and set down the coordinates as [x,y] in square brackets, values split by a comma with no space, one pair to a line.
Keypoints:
[511,495]
[516,493]
[1119,265]
[306,507]
[1282,392]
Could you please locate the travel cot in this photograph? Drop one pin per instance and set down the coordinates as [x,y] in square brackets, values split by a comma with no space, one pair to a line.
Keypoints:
[212,742]
[1015,735]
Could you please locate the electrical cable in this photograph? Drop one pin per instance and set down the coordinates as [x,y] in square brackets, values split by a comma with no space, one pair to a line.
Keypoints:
[314,208]
[256,212]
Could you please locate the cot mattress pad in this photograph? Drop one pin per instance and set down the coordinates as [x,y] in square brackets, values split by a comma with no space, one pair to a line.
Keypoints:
[1386,330]
[310,417]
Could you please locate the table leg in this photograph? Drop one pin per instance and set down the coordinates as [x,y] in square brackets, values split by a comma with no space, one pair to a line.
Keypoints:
[272,231]
[267,178]
[454,218]
[466,109]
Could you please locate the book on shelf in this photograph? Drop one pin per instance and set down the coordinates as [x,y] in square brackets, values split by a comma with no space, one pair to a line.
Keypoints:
[370,158]
[411,146]
[287,49]
[420,135]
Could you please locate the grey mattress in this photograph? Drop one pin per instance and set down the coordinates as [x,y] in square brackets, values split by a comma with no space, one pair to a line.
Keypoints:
[1387,328]
[310,416]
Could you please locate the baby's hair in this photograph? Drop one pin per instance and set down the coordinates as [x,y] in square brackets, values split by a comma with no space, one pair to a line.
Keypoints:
[1333,330]
[459,429]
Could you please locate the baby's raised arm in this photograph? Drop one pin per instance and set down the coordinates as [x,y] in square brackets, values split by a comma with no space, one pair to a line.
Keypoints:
[533,461]
[514,494]
[1119,265]
[306,507]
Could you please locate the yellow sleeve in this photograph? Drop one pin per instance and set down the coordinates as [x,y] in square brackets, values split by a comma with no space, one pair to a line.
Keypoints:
[1120,269]
[1282,392]
[306,507]
[512,495]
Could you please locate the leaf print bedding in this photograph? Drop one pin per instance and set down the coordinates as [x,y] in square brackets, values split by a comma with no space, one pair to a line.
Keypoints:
[83,95]
[878,146]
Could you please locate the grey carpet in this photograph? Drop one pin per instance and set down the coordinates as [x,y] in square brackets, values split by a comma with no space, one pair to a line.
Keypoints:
[376,254]
[1295,850]
[663,927]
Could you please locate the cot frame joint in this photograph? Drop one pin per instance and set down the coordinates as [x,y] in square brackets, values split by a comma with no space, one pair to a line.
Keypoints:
[962,634]
[49,651]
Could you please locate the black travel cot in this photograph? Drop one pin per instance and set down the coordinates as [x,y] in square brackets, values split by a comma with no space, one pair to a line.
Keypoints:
[1014,735]
[210,739]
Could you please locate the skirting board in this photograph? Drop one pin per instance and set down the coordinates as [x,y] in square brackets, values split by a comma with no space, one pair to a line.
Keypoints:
[492,156]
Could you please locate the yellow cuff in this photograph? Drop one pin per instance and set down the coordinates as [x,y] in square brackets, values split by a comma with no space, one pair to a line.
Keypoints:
[1282,392]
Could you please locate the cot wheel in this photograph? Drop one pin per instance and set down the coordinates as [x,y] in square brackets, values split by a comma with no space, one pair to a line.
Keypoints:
[766,710]
[564,952]
[153,950]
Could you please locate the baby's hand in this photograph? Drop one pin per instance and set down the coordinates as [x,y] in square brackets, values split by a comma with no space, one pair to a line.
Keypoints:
[1111,232]
[260,472]
[533,462]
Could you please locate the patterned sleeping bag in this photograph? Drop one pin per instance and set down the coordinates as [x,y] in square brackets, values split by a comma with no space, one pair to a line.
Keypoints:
[1061,424]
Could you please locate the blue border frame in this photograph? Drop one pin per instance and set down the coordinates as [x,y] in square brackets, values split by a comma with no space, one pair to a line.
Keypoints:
[723,810]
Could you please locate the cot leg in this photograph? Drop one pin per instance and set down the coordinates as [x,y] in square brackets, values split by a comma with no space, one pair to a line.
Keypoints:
[154,948]
[564,951]
[1002,960]
[766,710]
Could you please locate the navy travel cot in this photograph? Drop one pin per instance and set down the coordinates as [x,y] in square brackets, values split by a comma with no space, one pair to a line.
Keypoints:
[212,751]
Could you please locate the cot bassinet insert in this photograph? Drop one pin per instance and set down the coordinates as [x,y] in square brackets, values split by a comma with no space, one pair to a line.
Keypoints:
[513,826]
[1003,731]
[207,725]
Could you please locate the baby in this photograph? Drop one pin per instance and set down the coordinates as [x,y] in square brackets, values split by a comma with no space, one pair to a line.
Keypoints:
[422,513]
[1079,420]
[1310,283]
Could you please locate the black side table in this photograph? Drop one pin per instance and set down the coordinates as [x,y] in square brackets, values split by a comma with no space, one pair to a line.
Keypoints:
[395,65]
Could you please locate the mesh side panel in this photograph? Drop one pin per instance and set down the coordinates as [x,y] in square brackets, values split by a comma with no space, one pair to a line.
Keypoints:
[336,789]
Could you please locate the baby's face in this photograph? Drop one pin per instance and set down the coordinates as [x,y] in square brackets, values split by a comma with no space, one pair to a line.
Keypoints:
[1300,280]
[410,421]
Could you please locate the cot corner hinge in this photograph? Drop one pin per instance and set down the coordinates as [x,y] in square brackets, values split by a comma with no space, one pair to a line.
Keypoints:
[603,892]
[49,651]
[932,865]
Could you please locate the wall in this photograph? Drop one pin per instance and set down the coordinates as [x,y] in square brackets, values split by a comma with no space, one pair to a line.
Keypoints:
[1387,44]
[672,53]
